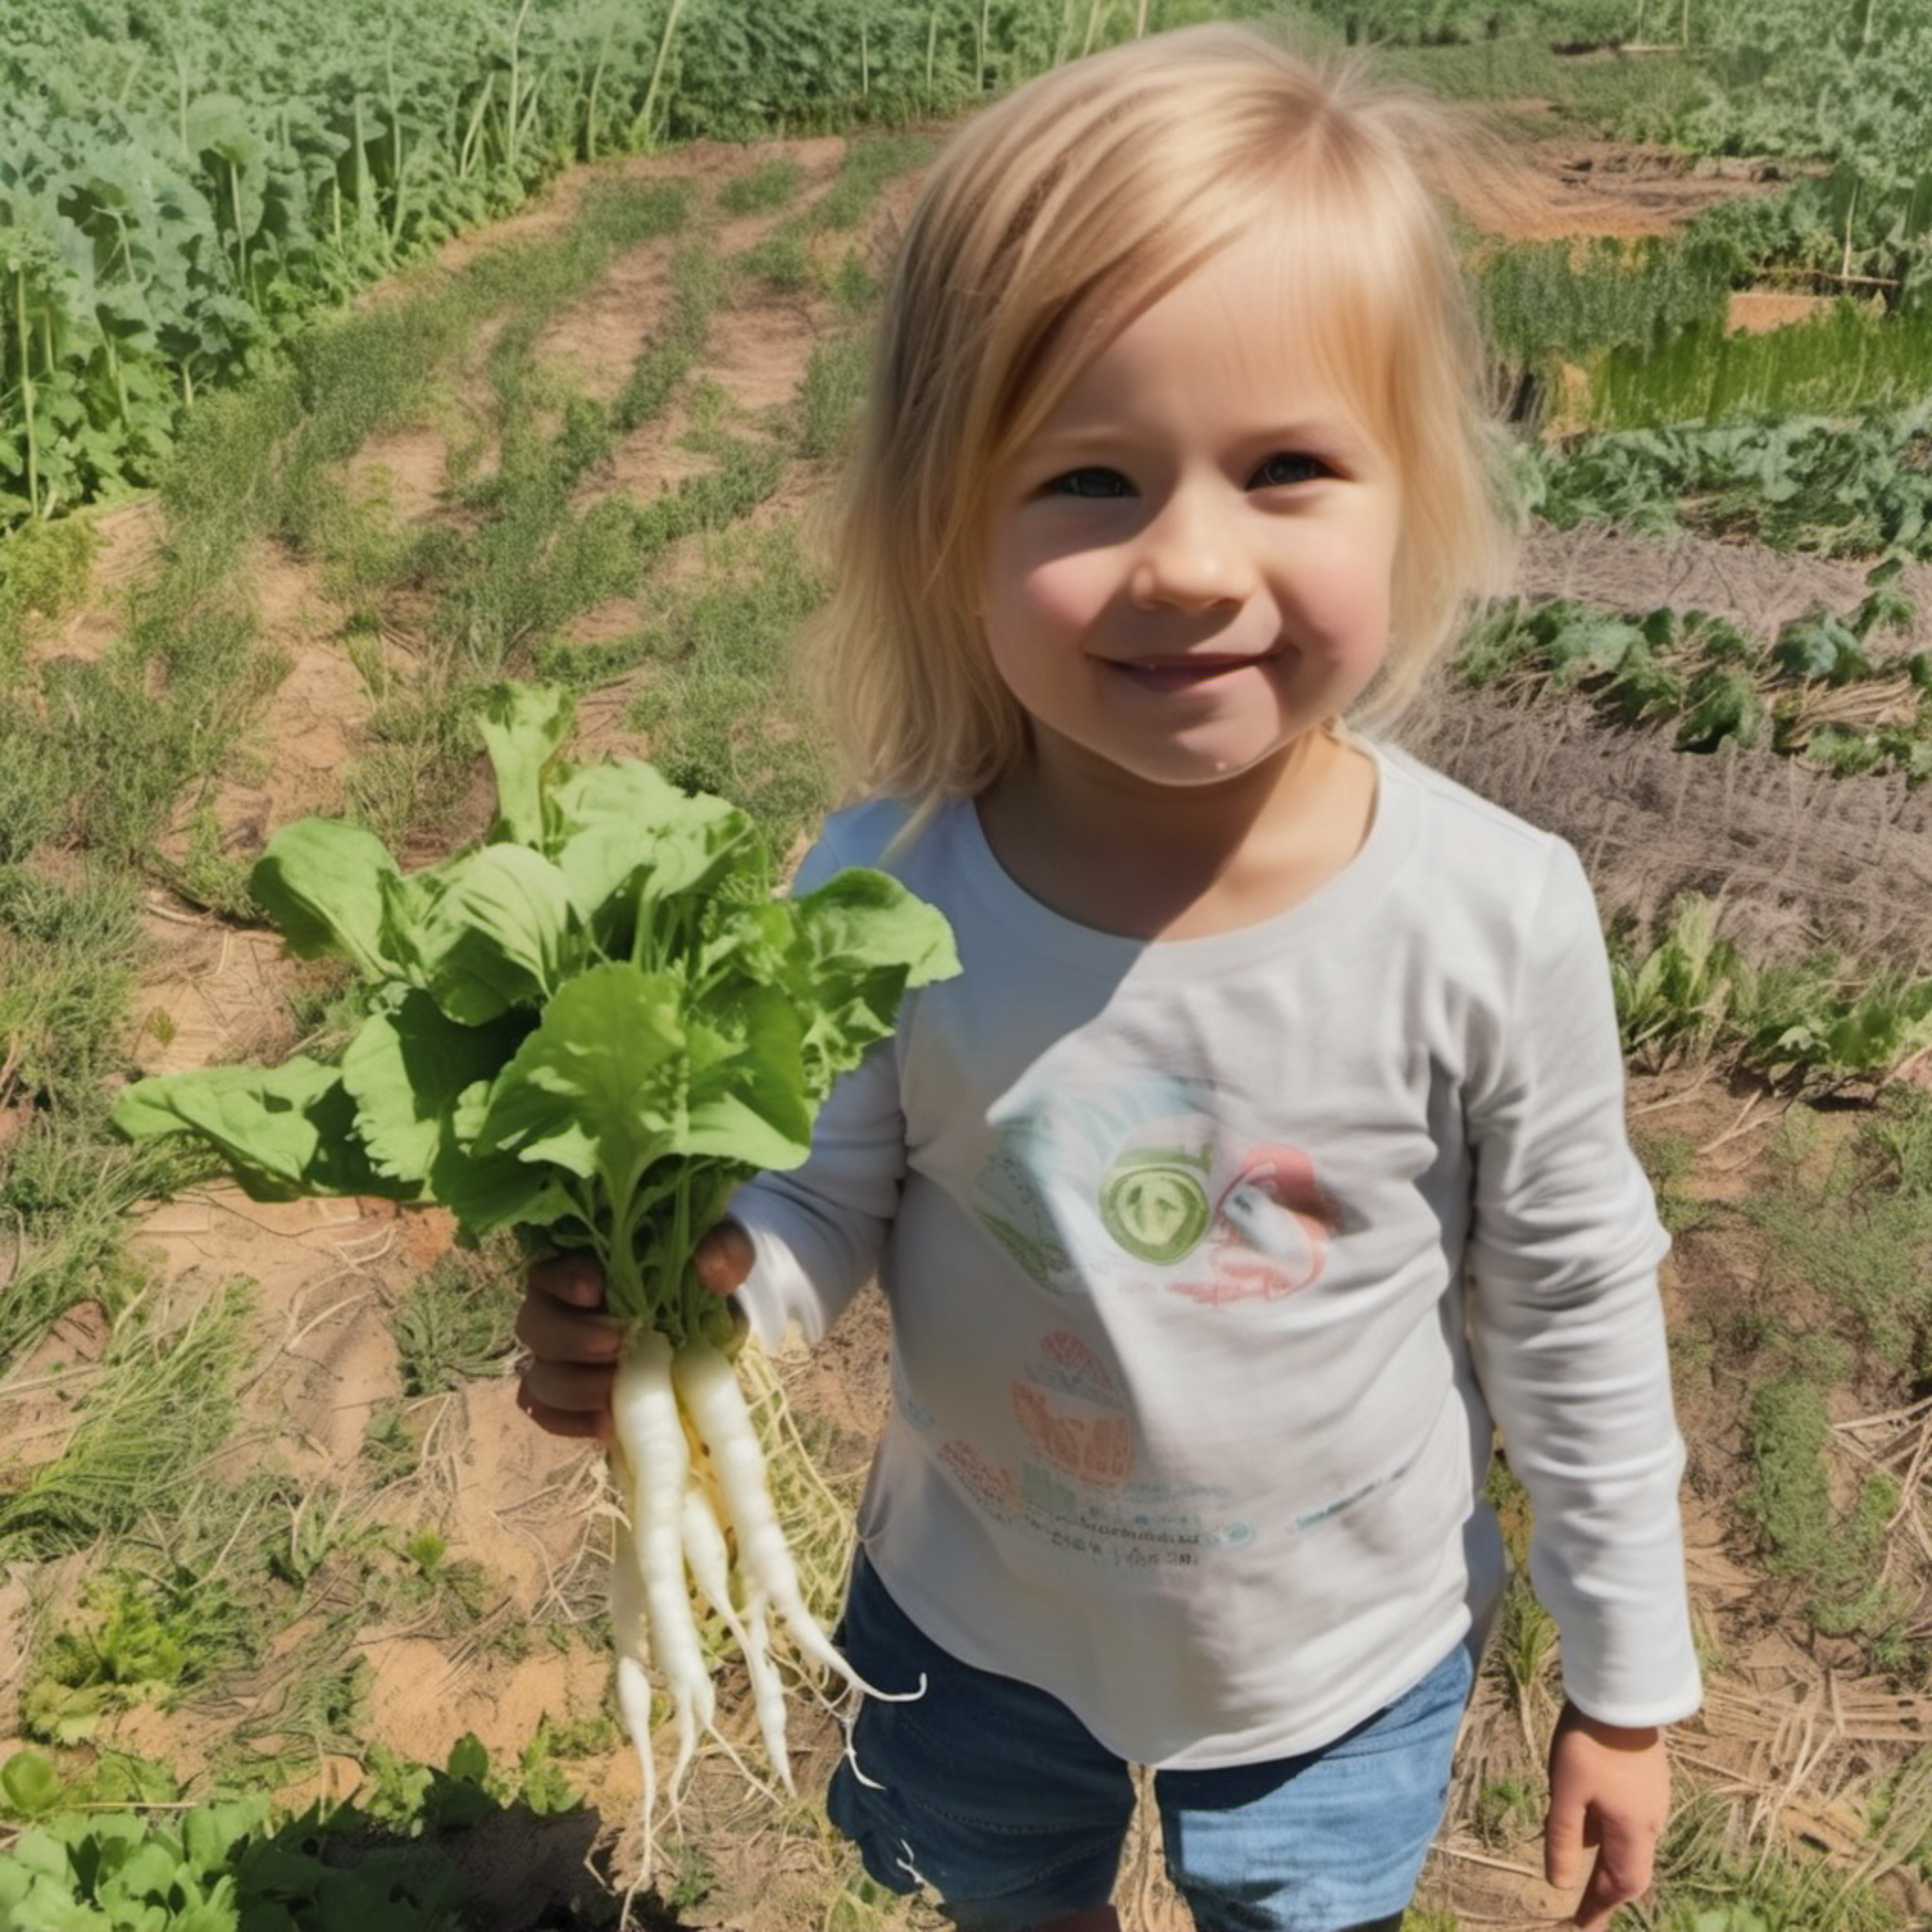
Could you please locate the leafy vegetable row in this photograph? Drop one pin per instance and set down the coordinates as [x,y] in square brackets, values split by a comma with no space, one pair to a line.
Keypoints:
[1816,1021]
[1842,487]
[1824,688]
[182,181]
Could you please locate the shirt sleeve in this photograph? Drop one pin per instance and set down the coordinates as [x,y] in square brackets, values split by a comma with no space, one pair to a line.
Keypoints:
[1567,1322]
[818,1230]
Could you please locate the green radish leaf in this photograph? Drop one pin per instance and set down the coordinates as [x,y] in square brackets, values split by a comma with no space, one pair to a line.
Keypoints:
[1590,647]
[33,1787]
[492,1191]
[613,1080]
[409,1070]
[150,1870]
[745,1088]
[596,1025]
[597,1087]
[629,841]
[1823,645]
[862,940]
[524,727]
[212,1834]
[493,930]
[326,885]
[284,1131]
[1722,705]
[40,1852]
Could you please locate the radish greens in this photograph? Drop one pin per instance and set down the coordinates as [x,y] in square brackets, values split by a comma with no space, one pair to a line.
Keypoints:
[590,1028]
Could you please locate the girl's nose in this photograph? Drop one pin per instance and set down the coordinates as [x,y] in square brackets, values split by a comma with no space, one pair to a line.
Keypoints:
[1190,558]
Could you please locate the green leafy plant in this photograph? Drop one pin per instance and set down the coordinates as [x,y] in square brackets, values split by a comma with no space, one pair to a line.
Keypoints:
[1853,486]
[454,1323]
[1827,688]
[228,1862]
[596,1024]
[140,1640]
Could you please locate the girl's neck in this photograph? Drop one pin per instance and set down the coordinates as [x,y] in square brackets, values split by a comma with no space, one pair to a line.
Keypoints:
[1106,851]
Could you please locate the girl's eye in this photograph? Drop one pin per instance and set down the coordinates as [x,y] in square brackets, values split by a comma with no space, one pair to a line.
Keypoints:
[1094,481]
[1288,467]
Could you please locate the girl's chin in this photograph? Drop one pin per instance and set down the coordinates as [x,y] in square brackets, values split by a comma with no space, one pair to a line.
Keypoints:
[1205,768]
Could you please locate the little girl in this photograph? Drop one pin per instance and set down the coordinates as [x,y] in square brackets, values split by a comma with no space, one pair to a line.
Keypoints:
[1270,1144]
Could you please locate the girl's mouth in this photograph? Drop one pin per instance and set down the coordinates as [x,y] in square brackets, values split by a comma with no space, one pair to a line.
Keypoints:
[1179,673]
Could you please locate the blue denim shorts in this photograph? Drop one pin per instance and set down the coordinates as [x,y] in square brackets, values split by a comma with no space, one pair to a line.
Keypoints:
[995,1796]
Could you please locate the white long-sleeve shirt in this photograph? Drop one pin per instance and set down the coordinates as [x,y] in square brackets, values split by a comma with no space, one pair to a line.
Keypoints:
[1209,1263]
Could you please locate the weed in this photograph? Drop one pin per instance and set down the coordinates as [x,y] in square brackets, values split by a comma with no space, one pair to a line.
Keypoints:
[1838,1555]
[388,1448]
[142,1640]
[455,1590]
[211,875]
[426,1549]
[34,782]
[868,166]
[696,283]
[318,1532]
[63,1202]
[854,286]
[1523,1654]
[1850,1234]
[45,568]
[71,942]
[1670,1160]
[830,394]
[1506,1810]
[454,1324]
[1708,1881]
[771,183]
[163,1403]
[862,1904]
[1897,1143]
[717,708]
[783,258]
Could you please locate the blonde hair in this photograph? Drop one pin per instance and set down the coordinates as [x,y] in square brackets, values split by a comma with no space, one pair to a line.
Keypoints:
[1051,221]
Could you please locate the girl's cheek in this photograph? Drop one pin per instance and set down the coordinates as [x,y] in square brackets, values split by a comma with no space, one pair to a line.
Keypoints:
[1053,598]
[1070,592]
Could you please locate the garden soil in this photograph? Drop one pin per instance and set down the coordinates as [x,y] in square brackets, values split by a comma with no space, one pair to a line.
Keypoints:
[1797,858]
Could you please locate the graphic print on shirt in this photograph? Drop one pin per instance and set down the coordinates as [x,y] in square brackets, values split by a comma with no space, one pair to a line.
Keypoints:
[1144,1184]
[1077,1491]
[1141,1187]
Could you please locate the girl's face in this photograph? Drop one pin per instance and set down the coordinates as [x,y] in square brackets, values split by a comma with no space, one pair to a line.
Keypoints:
[1189,567]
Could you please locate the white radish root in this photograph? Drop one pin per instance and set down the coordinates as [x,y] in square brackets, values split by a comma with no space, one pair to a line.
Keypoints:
[700,1520]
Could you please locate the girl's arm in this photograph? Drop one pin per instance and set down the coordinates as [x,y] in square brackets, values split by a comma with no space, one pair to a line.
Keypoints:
[1567,1327]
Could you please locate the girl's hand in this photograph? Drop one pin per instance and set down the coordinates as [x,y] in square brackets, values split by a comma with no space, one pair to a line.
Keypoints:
[1609,1791]
[565,1386]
